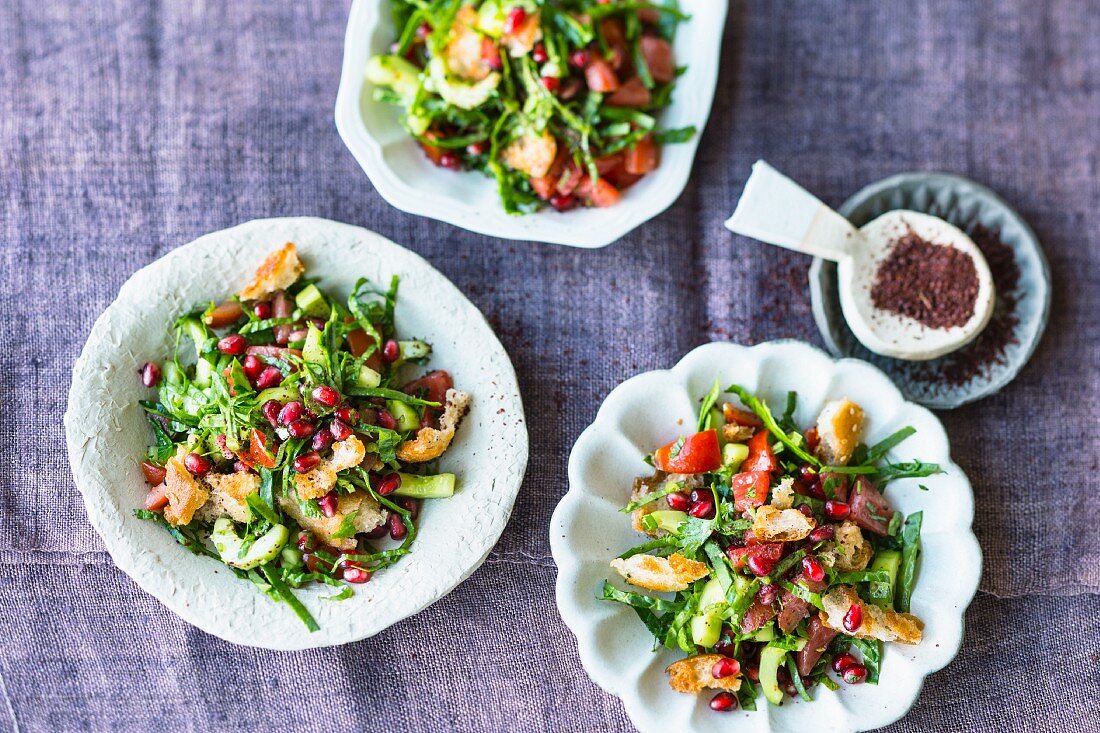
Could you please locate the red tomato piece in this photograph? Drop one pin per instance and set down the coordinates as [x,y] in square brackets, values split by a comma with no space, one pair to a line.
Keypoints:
[642,158]
[157,498]
[658,57]
[609,163]
[544,187]
[258,453]
[761,457]
[697,453]
[599,193]
[739,556]
[434,385]
[737,416]
[750,489]
[600,76]
[632,93]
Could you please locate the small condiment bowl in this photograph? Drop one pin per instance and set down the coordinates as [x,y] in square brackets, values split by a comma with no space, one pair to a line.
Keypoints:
[966,205]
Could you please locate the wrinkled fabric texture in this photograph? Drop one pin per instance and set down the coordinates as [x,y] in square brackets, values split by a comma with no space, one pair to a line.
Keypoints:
[131,127]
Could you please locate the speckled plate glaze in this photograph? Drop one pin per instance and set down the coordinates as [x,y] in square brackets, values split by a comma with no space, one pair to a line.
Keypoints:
[964,204]
[107,433]
[587,531]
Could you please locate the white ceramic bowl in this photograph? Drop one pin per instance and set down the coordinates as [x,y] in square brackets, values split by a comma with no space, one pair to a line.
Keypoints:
[651,409]
[107,433]
[407,180]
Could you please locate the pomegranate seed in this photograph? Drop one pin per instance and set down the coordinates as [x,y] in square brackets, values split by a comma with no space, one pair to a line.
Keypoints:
[291,411]
[306,462]
[807,474]
[696,496]
[340,430]
[813,569]
[843,662]
[298,334]
[725,668]
[812,439]
[378,532]
[409,504]
[423,30]
[389,484]
[725,644]
[854,674]
[348,415]
[385,420]
[390,351]
[326,395]
[479,148]
[398,530]
[241,466]
[753,672]
[837,509]
[579,59]
[322,439]
[515,19]
[759,565]
[702,509]
[767,594]
[822,533]
[300,429]
[269,377]
[450,161]
[252,367]
[563,203]
[271,410]
[806,509]
[196,464]
[539,54]
[854,618]
[551,83]
[234,344]
[262,310]
[356,574]
[318,323]
[326,502]
[723,702]
[678,501]
[150,374]
[306,542]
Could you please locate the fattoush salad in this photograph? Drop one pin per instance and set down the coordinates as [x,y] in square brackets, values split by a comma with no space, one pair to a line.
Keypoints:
[289,442]
[555,99]
[781,557]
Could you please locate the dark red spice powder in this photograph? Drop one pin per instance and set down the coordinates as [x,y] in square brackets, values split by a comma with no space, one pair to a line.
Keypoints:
[988,349]
[933,284]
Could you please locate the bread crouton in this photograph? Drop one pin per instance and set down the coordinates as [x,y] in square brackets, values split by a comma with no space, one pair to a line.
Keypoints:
[532,154]
[228,493]
[839,426]
[783,494]
[522,40]
[278,272]
[693,675]
[463,51]
[319,481]
[850,551]
[878,623]
[672,573]
[732,433]
[430,443]
[781,525]
[369,514]
[185,494]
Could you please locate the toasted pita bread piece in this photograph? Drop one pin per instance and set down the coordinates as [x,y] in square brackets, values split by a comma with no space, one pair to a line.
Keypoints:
[781,525]
[664,574]
[878,623]
[185,494]
[278,272]
[694,675]
[431,443]
[228,492]
[321,479]
[369,514]
[839,426]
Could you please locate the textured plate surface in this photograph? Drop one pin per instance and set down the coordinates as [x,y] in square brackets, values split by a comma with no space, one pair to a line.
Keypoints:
[651,409]
[407,180]
[964,204]
[107,433]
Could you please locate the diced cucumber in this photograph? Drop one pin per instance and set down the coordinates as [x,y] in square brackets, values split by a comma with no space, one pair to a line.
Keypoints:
[490,19]
[312,302]
[172,373]
[291,557]
[368,378]
[734,454]
[771,659]
[313,351]
[197,332]
[285,393]
[396,73]
[228,544]
[404,414]
[712,594]
[715,421]
[706,626]
[439,486]
[765,633]
[668,520]
[412,350]
[203,371]
[465,95]
[887,561]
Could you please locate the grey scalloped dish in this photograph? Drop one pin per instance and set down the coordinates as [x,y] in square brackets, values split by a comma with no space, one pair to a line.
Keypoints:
[966,205]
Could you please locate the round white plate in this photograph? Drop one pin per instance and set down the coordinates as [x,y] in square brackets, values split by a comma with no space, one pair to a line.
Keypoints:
[652,409]
[407,180]
[107,433]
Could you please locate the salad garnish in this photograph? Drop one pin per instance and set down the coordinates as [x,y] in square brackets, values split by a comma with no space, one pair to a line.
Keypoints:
[783,557]
[555,99]
[288,439]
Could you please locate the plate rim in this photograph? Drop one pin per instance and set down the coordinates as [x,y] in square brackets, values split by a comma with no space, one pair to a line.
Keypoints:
[127,561]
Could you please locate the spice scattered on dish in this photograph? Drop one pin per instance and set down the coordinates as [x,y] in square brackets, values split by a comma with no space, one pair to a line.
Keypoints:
[555,99]
[934,285]
[288,439]
[785,558]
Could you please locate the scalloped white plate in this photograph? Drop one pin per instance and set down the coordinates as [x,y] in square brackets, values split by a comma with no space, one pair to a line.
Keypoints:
[651,409]
[107,433]
[407,180]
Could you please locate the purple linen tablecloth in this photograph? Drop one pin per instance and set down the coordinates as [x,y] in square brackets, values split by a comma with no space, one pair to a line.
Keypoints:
[130,127]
